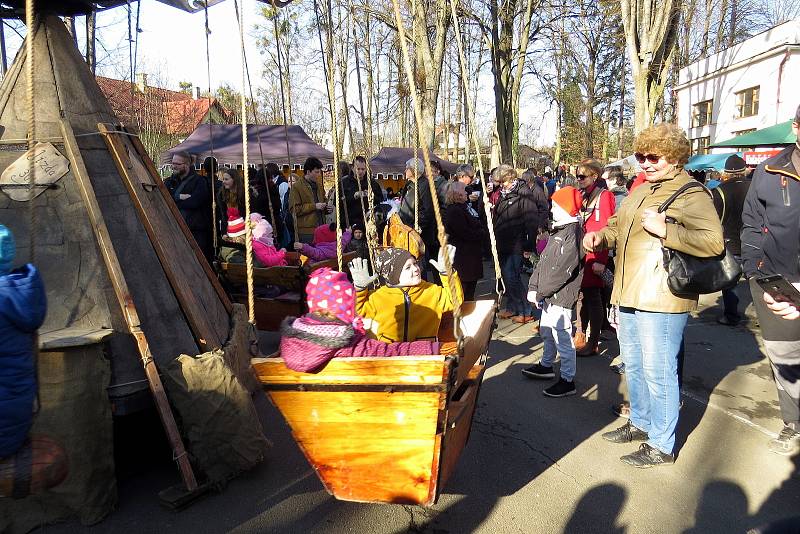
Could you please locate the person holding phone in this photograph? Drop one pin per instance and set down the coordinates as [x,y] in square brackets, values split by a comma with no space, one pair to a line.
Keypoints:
[771,246]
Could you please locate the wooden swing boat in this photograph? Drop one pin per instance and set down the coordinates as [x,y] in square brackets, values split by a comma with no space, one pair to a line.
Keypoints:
[270,312]
[386,430]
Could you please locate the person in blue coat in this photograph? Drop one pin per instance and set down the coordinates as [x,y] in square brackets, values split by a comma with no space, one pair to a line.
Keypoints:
[23,305]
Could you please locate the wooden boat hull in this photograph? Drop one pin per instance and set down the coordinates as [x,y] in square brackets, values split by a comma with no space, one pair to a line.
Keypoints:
[384,429]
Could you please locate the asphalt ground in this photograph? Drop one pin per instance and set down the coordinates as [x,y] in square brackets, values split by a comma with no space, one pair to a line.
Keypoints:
[533,464]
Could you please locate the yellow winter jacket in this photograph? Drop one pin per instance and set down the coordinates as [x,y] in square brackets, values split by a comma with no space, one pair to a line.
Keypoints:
[407,313]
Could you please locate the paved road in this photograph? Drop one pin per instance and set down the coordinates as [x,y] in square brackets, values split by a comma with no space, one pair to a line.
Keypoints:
[534,464]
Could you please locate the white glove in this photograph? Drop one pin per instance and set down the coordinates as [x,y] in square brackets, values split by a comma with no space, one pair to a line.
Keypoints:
[357,194]
[439,264]
[359,270]
[532,297]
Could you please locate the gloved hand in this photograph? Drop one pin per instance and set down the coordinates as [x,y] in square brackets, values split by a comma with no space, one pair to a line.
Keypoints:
[439,264]
[359,270]
[532,297]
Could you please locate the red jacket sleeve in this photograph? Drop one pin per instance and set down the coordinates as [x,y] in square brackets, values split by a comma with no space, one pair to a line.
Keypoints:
[598,219]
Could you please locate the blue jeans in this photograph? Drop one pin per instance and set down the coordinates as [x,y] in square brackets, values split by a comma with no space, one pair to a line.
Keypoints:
[649,343]
[555,327]
[516,292]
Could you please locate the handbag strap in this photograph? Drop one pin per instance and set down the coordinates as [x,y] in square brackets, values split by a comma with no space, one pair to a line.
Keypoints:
[685,187]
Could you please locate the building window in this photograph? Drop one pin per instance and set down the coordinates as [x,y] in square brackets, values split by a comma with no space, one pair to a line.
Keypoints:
[743,132]
[747,103]
[700,145]
[701,113]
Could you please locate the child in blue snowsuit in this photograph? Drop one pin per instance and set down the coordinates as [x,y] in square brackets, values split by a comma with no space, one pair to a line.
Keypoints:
[22,310]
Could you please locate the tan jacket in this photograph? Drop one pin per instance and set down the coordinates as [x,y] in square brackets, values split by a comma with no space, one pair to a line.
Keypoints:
[303,206]
[640,280]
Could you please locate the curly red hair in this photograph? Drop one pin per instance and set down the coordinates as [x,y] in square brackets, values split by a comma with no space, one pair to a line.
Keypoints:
[666,140]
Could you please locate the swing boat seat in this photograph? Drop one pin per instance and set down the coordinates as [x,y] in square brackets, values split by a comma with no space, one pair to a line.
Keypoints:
[386,430]
[292,278]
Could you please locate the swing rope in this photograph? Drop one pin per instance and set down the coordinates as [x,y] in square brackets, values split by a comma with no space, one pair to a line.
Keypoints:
[245,164]
[280,79]
[442,236]
[211,135]
[327,67]
[499,286]
[258,138]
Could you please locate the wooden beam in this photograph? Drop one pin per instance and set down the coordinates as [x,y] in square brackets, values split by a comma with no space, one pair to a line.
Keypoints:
[125,300]
[204,332]
[150,166]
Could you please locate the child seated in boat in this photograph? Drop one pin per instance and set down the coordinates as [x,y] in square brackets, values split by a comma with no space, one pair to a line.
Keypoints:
[324,245]
[358,243]
[332,329]
[406,308]
[264,244]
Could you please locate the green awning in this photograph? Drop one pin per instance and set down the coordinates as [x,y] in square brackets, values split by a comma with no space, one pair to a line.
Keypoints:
[778,135]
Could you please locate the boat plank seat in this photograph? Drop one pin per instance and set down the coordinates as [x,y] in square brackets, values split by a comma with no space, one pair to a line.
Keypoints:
[384,429]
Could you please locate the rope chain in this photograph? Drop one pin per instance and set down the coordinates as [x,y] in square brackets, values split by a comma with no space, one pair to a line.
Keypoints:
[210,134]
[426,156]
[474,137]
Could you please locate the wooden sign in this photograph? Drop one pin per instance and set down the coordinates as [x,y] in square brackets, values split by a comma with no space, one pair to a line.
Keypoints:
[49,165]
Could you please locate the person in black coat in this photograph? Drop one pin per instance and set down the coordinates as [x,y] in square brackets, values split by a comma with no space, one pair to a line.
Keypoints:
[192,194]
[518,215]
[427,220]
[357,187]
[729,201]
[467,234]
[771,245]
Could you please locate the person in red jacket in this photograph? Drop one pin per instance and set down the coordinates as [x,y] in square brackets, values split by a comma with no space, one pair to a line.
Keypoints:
[598,205]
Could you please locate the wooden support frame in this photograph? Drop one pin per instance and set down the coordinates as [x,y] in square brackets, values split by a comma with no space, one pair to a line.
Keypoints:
[125,300]
[206,335]
[150,166]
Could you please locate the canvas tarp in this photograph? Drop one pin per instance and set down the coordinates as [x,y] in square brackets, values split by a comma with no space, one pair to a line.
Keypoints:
[702,162]
[392,160]
[226,140]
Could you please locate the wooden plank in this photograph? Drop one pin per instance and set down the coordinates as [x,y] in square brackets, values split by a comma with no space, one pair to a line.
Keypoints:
[64,338]
[270,313]
[460,412]
[388,371]
[291,278]
[368,447]
[476,323]
[125,301]
[208,335]
[140,150]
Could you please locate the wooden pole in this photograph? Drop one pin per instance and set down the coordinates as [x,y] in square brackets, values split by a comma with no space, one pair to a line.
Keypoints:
[125,300]
[3,58]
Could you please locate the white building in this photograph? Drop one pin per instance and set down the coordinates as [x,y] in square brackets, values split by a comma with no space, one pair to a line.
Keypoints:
[747,87]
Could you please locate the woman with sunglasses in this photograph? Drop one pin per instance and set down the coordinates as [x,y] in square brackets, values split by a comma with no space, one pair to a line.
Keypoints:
[651,317]
[597,206]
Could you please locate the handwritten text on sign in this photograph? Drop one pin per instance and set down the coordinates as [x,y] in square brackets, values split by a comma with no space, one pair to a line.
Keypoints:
[49,165]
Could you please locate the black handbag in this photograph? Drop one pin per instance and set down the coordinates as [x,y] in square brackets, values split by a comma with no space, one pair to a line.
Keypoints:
[690,275]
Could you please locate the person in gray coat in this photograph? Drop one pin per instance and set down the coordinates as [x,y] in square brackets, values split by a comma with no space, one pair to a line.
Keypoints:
[554,288]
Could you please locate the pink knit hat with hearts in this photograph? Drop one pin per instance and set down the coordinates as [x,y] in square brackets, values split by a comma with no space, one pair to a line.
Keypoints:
[330,291]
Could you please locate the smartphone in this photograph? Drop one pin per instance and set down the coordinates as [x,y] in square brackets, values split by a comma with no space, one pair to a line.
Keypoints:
[780,289]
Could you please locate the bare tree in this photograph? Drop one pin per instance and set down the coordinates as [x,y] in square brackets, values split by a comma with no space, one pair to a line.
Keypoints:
[651,32]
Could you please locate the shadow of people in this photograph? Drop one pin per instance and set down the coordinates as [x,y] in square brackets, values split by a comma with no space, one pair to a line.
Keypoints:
[722,508]
[598,510]
[780,512]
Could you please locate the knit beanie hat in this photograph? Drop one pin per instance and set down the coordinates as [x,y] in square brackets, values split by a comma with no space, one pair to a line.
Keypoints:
[330,291]
[324,234]
[389,263]
[8,250]
[358,227]
[566,203]
[262,230]
[735,164]
[235,223]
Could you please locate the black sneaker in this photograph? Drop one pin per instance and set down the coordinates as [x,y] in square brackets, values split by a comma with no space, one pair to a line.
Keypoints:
[787,443]
[538,370]
[647,456]
[625,434]
[562,388]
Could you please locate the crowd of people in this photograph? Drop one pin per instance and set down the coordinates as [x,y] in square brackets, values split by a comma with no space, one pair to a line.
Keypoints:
[592,241]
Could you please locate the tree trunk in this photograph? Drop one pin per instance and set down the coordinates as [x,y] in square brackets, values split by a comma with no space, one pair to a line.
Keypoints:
[91,54]
[621,124]
[651,29]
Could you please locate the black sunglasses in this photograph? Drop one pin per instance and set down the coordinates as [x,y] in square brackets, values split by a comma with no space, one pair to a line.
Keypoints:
[652,158]
[583,176]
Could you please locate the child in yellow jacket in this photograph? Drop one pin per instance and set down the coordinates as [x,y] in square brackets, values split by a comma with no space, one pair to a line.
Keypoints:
[407,308]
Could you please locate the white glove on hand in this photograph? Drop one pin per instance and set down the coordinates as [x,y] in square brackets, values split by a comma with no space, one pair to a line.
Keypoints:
[439,264]
[532,297]
[359,270]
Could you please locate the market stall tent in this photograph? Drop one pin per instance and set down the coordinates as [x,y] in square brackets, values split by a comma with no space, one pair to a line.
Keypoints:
[772,136]
[224,142]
